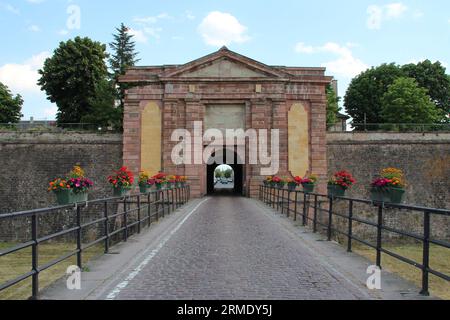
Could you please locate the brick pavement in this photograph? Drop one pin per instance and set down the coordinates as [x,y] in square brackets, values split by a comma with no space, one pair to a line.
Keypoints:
[227,249]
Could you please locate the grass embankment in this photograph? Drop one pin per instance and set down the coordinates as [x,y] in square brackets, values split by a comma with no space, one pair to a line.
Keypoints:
[16,264]
[439,260]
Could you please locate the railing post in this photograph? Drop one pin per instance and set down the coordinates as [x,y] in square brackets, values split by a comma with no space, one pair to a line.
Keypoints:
[315,214]
[139,213]
[34,258]
[125,220]
[330,219]
[158,202]
[426,253]
[274,193]
[278,199]
[79,262]
[304,209]
[379,234]
[106,226]
[288,204]
[163,203]
[295,205]
[350,226]
[173,200]
[149,209]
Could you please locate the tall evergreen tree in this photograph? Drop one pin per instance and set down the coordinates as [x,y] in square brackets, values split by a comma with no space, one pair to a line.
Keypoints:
[123,57]
[332,106]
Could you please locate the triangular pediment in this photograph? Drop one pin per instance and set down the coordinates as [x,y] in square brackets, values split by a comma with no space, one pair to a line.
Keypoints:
[223,68]
[224,64]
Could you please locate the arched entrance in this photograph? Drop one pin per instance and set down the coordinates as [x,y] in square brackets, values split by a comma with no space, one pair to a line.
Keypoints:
[238,176]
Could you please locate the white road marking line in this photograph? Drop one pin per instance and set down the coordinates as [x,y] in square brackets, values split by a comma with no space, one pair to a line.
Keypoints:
[115,292]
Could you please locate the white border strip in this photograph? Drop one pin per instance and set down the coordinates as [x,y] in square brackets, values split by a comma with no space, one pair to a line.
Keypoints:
[116,291]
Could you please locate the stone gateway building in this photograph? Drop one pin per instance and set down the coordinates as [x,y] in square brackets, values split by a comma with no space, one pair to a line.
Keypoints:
[226,90]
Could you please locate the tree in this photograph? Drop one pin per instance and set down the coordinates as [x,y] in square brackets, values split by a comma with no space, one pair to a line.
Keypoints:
[10,106]
[104,113]
[332,105]
[432,77]
[123,57]
[363,98]
[406,102]
[71,77]
[228,173]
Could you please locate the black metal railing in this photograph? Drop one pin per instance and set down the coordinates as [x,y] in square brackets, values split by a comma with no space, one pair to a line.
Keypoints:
[137,212]
[309,206]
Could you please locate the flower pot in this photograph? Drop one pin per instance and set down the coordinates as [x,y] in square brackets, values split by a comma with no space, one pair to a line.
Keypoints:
[380,195]
[396,195]
[159,186]
[144,188]
[280,185]
[79,197]
[292,187]
[336,191]
[121,192]
[308,187]
[65,197]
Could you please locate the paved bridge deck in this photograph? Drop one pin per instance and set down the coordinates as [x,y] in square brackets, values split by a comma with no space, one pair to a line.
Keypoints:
[229,248]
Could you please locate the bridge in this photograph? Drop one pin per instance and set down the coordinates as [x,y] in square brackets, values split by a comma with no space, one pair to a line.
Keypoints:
[165,245]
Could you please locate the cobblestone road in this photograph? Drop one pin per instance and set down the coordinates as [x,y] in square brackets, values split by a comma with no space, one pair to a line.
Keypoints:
[228,249]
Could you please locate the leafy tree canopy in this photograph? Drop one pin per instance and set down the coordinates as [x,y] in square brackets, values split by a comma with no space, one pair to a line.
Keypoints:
[363,98]
[10,106]
[406,102]
[71,77]
[104,112]
[432,77]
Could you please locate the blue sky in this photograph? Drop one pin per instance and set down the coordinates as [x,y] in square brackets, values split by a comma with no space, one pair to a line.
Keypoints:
[344,36]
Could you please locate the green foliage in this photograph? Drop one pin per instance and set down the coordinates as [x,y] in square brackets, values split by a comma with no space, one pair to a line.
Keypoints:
[432,77]
[10,106]
[406,102]
[104,113]
[218,174]
[363,98]
[71,77]
[228,173]
[123,57]
[332,106]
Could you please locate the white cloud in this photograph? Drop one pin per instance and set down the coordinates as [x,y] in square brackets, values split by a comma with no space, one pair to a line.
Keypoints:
[151,19]
[302,48]
[377,14]
[23,77]
[63,32]
[34,28]
[189,15]
[375,17]
[10,8]
[147,27]
[139,35]
[395,10]
[220,28]
[345,65]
